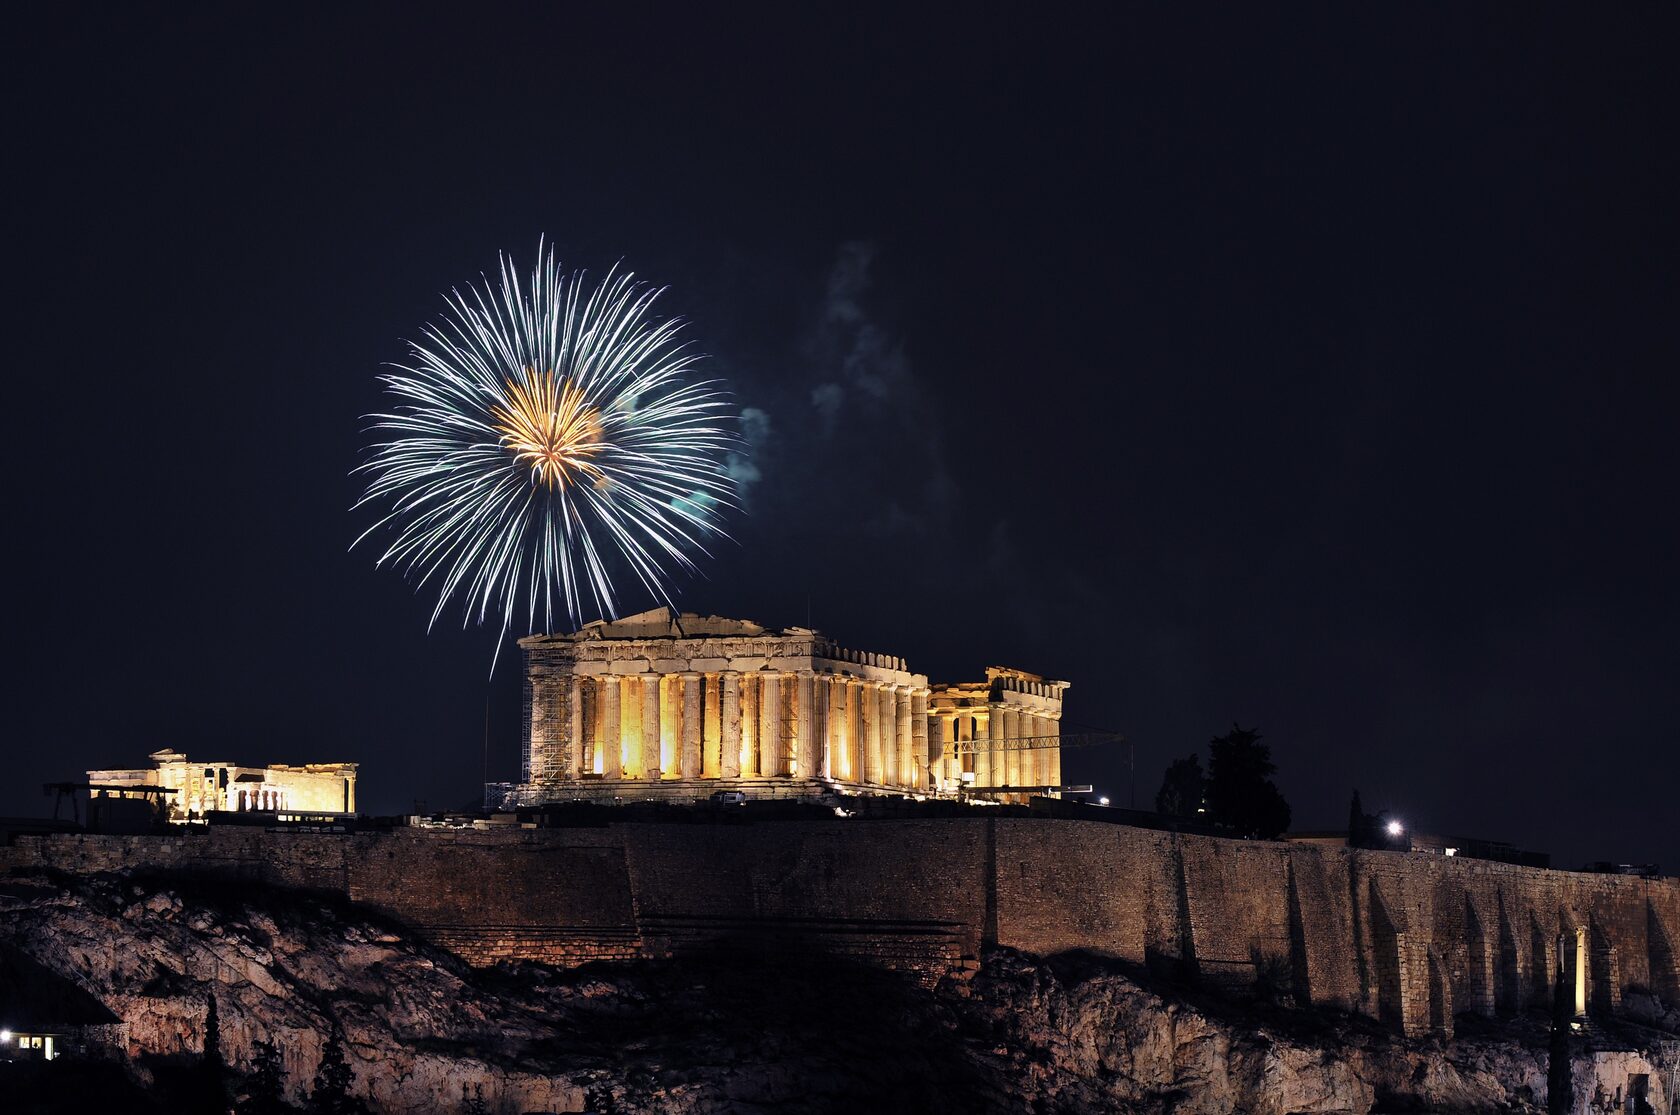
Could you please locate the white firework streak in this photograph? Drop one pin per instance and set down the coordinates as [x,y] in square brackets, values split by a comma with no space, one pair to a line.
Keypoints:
[541,431]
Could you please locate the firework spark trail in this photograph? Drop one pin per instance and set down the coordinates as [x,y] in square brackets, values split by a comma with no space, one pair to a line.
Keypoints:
[540,433]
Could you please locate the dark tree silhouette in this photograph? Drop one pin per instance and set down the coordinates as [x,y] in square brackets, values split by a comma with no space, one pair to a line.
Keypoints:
[207,1086]
[265,1090]
[1183,788]
[1560,1090]
[1240,793]
[1361,825]
[331,1094]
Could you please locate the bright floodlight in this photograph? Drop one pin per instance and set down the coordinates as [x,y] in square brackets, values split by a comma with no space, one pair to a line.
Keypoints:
[1395,828]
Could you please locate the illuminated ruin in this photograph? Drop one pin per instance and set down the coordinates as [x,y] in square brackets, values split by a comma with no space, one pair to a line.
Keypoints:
[677,707]
[202,788]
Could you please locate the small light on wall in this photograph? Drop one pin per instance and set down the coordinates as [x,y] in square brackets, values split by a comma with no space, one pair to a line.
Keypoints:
[1102,801]
[1395,828]
[1452,851]
[5,1036]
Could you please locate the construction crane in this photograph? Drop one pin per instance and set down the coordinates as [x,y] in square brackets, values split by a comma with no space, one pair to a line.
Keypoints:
[957,749]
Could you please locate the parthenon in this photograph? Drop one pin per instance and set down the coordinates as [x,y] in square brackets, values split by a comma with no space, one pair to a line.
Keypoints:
[677,707]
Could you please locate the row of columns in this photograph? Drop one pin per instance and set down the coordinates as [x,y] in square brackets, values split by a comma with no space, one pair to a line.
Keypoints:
[992,762]
[732,724]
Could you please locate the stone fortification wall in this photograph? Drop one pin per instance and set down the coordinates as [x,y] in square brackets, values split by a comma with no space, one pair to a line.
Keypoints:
[1410,938]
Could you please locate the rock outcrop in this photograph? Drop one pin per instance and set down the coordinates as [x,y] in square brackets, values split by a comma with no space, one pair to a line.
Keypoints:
[729,1032]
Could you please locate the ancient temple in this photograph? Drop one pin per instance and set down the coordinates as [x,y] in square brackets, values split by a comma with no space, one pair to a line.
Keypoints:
[679,707]
[196,788]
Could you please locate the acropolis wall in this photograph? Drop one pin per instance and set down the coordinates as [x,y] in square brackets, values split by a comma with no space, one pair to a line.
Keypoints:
[1407,938]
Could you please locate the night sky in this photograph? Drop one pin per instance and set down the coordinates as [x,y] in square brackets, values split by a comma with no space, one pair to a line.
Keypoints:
[1314,372]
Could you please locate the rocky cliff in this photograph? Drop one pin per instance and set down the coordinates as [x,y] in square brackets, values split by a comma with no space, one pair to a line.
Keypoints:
[730,1032]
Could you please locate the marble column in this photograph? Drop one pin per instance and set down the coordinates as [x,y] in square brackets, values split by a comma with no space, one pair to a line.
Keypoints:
[839,728]
[906,739]
[787,724]
[689,763]
[822,691]
[808,760]
[650,726]
[569,762]
[528,738]
[612,736]
[850,768]
[534,761]
[1053,755]
[711,726]
[591,724]
[946,744]
[749,724]
[1041,728]
[870,697]
[889,734]
[769,725]
[1012,732]
[857,694]
[919,736]
[988,770]
[729,759]
[1021,768]
[944,735]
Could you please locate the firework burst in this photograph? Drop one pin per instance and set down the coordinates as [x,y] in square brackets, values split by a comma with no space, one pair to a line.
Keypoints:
[542,435]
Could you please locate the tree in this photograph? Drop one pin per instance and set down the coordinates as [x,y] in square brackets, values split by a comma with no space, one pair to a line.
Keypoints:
[1240,793]
[1560,1090]
[208,1084]
[331,1094]
[1182,789]
[1361,825]
[265,1091]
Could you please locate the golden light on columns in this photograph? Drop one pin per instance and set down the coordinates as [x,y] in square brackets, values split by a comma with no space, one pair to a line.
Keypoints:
[548,427]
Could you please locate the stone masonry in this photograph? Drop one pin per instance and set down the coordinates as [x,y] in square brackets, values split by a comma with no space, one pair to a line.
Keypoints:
[1411,939]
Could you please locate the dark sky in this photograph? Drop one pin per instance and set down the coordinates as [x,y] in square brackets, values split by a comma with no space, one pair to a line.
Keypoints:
[1315,372]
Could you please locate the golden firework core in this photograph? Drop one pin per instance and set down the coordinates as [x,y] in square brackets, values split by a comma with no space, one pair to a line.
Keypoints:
[548,426]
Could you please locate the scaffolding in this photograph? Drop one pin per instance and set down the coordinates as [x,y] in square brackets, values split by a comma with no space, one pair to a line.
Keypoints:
[60,791]
[957,750]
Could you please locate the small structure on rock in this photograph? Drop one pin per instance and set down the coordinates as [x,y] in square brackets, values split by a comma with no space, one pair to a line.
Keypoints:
[42,1014]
